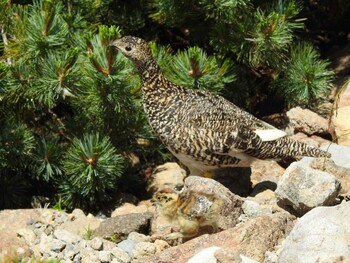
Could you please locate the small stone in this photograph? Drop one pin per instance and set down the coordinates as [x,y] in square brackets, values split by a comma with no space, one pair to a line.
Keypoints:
[57,245]
[48,230]
[38,225]
[77,258]
[144,250]
[120,255]
[127,245]
[30,222]
[225,255]
[66,236]
[96,243]
[139,237]
[105,256]
[78,214]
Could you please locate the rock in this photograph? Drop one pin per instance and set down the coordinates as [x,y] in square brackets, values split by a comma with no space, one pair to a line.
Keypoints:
[144,250]
[96,243]
[206,256]
[297,187]
[128,208]
[105,256]
[252,208]
[80,223]
[116,228]
[312,140]
[341,117]
[306,121]
[167,175]
[266,170]
[340,154]
[13,220]
[78,214]
[252,238]
[232,207]
[66,236]
[341,173]
[120,256]
[27,234]
[226,256]
[127,246]
[319,235]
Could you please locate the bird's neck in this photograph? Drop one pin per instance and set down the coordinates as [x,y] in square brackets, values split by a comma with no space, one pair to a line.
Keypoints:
[149,72]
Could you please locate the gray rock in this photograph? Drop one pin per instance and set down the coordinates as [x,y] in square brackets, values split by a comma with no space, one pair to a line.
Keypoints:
[105,256]
[66,236]
[252,208]
[96,243]
[144,250]
[120,255]
[45,244]
[116,229]
[57,245]
[127,246]
[302,188]
[320,234]
[340,155]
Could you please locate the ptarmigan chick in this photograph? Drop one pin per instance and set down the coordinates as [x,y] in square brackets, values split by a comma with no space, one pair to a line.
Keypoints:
[188,210]
[203,130]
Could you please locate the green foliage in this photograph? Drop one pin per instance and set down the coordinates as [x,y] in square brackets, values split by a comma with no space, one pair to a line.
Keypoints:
[46,160]
[92,167]
[194,69]
[305,78]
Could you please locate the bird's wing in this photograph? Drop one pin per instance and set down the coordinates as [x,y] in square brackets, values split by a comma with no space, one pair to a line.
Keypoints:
[240,130]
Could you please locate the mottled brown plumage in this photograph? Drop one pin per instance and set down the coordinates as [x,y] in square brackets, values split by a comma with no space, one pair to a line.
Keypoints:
[203,130]
[188,211]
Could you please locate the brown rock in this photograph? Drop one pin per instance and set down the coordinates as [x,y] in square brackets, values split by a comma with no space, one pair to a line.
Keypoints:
[167,175]
[306,121]
[252,238]
[312,140]
[342,125]
[11,221]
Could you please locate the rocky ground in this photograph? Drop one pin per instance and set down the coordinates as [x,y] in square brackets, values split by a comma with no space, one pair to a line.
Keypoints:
[271,214]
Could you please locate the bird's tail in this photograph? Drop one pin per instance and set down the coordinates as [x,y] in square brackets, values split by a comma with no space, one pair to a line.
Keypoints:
[286,147]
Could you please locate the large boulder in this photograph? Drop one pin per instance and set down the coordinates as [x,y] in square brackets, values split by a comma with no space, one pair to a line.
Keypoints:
[302,188]
[321,234]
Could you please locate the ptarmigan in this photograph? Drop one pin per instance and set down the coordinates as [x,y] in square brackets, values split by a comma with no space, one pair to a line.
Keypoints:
[188,210]
[205,131]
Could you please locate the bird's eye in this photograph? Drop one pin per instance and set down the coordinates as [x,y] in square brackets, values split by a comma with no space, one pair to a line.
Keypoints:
[128,48]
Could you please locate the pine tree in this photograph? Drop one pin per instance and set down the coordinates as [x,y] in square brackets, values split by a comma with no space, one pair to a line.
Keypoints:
[71,108]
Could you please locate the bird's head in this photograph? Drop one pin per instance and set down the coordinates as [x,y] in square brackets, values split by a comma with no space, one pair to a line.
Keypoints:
[136,49]
[165,197]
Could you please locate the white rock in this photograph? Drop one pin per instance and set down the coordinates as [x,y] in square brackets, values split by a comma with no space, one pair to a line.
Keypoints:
[340,155]
[320,234]
[66,236]
[204,256]
[303,188]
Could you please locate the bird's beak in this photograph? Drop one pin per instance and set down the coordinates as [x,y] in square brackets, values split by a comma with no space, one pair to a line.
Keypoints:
[115,43]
